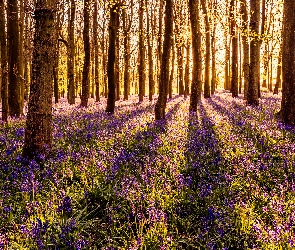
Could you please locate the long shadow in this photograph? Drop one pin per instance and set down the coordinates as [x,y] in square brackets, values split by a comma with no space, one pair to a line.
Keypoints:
[133,167]
[210,204]
[93,126]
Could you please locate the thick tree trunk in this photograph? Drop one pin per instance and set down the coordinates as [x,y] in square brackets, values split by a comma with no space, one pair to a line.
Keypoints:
[86,66]
[164,74]
[111,60]
[71,54]
[252,95]
[288,64]
[197,55]
[234,64]
[38,133]
[208,52]
[3,64]
[13,59]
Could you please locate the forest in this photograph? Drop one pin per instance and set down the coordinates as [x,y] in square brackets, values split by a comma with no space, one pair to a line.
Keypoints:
[148,124]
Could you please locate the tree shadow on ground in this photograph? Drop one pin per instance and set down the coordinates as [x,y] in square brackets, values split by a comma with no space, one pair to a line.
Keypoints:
[207,217]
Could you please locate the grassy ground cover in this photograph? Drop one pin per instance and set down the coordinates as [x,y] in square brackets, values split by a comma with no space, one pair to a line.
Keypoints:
[219,179]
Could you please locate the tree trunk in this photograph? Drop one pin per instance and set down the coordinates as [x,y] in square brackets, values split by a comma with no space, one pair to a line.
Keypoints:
[197,55]
[96,65]
[71,54]
[86,66]
[141,67]
[213,50]
[235,51]
[246,48]
[171,78]
[38,133]
[252,95]
[150,54]
[288,64]
[279,72]
[111,59]
[3,64]
[208,54]
[187,67]
[21,55]
[126,29]
[13,59]
[117,61]
[164,74]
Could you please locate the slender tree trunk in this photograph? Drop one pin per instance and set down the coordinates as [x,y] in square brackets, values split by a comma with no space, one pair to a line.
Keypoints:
[111,59]
[13,59]
[279,73]
[246,48]
[160,33]
[197,54]
[96,64]
[86,67]
[208,52]
[21,55]
[164,76]
[71,54]
[180,52]
[3,64]
[213,50]
[117,61]
[150,53]
[38,133]
[126,29]
[141,67]
[171,78]
[252,95]
[235,51]
[187,67]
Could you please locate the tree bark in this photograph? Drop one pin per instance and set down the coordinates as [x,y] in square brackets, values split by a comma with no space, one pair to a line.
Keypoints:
[288,64]
[3,64]
[213,49]
[38,133]
[234,64]
[279,72]
[111,59]
[96,64]
[252,95]
[13,59]
[208,54]
[197,55]
[164,74]
[141,67]
[150,53]
[187,68]
[71,54]
[86,66]
[126,29]
[246,48]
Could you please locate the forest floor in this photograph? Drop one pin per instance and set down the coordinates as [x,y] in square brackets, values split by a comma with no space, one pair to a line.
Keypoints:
[220,179]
